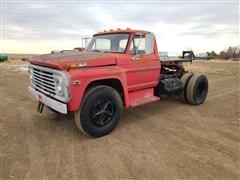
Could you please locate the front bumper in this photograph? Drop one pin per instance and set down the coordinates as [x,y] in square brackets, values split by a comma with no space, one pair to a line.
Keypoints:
[56,105]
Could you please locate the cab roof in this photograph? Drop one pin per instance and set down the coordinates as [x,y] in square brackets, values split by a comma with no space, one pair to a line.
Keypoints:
[128,30]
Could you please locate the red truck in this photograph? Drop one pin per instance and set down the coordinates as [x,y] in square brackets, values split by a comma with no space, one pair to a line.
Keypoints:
[119,69]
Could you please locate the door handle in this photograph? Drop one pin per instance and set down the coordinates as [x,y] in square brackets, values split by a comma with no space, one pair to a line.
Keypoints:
[155,59]
[136,58]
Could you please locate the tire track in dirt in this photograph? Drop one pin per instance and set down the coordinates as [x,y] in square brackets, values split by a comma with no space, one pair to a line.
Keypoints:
[223,92]
[71,171]
[35,153]
[65,170]
[48,161]
[51,163]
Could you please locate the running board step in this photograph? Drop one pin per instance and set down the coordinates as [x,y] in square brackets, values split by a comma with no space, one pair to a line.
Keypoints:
[141,97]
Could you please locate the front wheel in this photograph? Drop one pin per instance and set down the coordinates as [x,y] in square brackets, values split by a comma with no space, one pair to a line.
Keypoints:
[100,111]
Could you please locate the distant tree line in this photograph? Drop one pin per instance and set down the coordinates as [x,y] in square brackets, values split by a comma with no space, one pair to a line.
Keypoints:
[230,52]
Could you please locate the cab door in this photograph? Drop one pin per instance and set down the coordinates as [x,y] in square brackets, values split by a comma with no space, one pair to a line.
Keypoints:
[144,62]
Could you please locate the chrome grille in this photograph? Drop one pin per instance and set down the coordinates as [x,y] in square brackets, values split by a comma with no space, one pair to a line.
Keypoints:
[44,80]
[48,80]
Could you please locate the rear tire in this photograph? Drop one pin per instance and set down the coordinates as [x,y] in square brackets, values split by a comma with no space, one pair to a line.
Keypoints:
[197,89]
[100,112]
[185,79]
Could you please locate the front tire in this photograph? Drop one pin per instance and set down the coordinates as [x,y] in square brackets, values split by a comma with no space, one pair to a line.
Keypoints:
[100,112]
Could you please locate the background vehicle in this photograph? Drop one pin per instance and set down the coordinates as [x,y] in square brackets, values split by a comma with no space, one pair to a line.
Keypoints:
[3,58]
[119,69]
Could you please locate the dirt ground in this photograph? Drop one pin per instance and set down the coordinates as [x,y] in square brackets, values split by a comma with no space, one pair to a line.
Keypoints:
[162,140]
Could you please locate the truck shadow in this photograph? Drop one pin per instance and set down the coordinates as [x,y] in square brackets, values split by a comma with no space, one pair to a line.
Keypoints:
[65,125]
[147,111]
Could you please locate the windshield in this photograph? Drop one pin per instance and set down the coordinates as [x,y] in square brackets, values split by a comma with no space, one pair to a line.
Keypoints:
[114,43]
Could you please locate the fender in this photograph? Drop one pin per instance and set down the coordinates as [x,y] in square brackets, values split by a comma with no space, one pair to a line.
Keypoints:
[85,76]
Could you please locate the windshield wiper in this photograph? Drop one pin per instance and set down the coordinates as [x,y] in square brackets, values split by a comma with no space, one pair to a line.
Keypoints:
[97,50]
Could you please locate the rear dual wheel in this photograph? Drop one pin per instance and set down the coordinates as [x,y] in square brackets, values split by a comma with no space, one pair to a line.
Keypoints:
[185,79]
[195,88]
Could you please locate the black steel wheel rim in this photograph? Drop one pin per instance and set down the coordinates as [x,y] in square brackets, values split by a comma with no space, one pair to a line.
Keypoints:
[102,112]
[201,90]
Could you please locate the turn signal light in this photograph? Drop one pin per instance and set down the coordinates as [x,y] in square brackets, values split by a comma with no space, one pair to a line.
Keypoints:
[73,66]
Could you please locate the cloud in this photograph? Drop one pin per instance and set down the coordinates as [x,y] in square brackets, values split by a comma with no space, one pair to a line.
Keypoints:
[64,21]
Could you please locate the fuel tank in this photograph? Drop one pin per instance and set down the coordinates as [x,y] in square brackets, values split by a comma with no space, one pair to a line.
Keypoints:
[169,87]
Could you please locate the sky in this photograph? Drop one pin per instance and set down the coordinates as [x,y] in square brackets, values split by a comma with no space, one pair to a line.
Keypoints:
[33,26]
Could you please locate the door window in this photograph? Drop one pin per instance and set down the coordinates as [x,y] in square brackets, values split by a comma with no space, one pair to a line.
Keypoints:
[142,44]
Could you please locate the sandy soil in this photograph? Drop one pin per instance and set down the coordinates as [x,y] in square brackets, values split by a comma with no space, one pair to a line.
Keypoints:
[167,139]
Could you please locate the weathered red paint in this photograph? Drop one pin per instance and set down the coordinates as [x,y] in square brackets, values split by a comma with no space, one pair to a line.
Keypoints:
[144,96]
[137,78]
[63,61]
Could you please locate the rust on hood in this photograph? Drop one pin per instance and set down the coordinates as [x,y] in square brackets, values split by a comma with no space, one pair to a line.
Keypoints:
[63,61]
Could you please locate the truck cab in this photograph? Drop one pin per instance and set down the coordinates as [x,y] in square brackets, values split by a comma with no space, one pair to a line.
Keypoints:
[118,69]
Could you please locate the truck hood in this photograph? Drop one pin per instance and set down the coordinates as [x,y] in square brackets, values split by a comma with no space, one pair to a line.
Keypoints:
[63,61]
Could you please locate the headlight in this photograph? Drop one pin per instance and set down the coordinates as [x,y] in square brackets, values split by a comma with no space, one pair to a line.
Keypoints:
[59,85]
[30,70]
[31,76]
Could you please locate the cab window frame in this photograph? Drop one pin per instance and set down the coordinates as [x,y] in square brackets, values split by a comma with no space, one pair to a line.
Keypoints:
[128,40]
